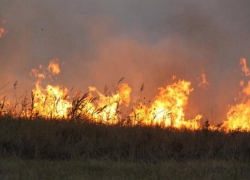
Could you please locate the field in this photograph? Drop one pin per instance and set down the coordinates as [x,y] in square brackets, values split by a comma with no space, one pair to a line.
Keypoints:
[16,168]
[53,149]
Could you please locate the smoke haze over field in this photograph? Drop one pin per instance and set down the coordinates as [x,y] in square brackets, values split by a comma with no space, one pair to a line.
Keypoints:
[145,41]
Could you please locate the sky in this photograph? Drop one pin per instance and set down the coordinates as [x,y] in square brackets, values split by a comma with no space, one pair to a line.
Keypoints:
[145,41]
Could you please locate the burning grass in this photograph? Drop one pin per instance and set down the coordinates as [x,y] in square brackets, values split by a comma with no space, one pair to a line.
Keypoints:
[167,109]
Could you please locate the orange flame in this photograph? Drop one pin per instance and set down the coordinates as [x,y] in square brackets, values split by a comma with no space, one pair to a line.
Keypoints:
[54,67]
[51,102]
[2,31]
[106,109]
[203,82]
[238,115]
[168,108]
[244,67]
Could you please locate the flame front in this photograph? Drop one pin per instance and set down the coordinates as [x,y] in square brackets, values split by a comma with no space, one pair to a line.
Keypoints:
[238,115]
[106,108]
[168,108]
[54,101]
[51,102]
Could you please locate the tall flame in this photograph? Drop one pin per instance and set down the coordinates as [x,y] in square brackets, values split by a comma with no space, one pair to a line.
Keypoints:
[49,102]
[168,108]
[238,115]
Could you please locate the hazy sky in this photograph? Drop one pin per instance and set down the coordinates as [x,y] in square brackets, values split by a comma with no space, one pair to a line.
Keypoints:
[145,41]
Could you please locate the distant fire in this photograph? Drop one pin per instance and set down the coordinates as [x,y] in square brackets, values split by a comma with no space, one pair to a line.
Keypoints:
[238,115]
[244,67]
[2,30]
[203,82]
[167,109]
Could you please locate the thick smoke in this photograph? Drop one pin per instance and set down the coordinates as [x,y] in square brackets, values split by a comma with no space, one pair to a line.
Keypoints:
[145,41]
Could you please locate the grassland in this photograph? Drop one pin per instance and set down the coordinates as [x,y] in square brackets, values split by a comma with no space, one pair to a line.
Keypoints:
[53,149]
[76,169]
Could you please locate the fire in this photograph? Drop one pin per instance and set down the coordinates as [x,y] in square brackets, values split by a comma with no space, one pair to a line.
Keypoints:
[244,67]
[54,101]
[168,108]
[53,67]
[2,31]
[238,115]
[106,108]
[203,83]
[49,102]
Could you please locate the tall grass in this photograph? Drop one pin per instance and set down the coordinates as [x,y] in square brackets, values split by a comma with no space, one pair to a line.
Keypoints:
[53,139]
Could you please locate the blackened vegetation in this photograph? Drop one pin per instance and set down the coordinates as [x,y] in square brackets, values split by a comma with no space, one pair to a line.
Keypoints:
[54,139]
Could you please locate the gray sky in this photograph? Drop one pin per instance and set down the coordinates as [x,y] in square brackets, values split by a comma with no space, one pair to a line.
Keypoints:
[145,41]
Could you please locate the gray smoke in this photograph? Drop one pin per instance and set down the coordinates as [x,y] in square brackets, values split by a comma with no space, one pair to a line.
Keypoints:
[145,41]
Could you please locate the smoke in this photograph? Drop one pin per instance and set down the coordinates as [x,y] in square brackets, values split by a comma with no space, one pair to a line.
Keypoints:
[144,41]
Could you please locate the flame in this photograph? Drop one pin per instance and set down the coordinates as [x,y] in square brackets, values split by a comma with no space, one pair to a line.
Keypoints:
[238,115]
[203,83]
[49,102]
[106,109]
[168,108]
[53,66]
[2,31]
[54,101]
[244,67]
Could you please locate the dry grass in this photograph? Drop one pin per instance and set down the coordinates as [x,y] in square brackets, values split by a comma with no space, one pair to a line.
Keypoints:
[54,139]
[53,149]
[15,168]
